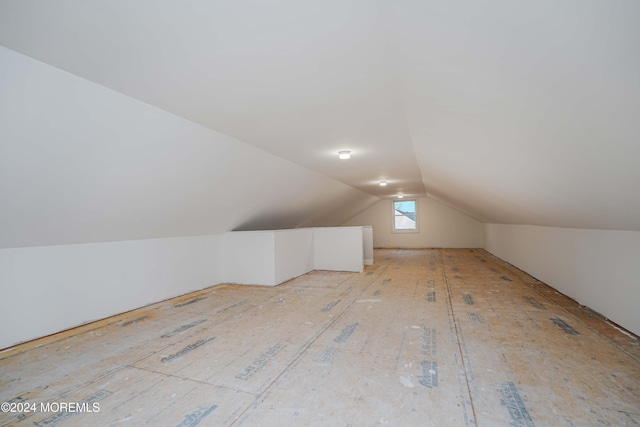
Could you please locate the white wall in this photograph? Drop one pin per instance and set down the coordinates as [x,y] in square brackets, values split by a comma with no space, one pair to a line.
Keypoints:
[47,289]
[266,258]
[51,288]
[597,268]
[338,248]
[270,257]
[439,227]
[293,253]
[248,257]
[367,245]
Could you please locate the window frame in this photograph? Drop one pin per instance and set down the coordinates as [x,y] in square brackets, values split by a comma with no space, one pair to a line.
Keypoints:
[393,217]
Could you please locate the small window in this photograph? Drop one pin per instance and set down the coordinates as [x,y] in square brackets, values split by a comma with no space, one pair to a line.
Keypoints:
[405,216]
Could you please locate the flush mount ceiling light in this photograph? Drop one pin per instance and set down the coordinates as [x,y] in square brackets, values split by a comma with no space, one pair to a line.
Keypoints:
[344,154]
[383,183]
[400,196]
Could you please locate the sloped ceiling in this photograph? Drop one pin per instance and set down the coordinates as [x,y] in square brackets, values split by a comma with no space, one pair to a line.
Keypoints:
[80,163]
[510,112]
[525,112]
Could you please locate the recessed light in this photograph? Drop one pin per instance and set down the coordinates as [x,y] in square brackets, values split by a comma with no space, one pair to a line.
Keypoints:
[344,154]
[383,183]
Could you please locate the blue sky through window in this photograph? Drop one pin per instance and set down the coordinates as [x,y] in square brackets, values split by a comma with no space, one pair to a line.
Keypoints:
[404,215]
[406,207]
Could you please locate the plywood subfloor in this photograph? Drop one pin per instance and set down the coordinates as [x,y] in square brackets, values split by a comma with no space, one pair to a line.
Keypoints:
[421,338]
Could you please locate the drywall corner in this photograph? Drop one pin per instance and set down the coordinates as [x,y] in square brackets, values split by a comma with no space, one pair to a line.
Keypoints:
[293,253]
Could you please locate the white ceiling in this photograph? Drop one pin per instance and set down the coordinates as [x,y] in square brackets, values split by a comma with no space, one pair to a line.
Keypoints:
[80,163]
[512,112]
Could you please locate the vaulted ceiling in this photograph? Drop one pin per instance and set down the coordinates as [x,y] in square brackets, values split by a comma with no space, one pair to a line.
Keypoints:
[511,112]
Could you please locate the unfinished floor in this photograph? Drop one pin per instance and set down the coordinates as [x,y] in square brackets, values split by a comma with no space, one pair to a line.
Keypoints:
[447,337]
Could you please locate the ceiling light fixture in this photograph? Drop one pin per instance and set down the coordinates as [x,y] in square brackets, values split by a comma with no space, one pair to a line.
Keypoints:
[344,154]
[400,196]
[383,183]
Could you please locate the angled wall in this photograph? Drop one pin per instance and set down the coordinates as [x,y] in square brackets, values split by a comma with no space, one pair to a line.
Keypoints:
[80,163]
[597,268]
[439,227]
[100,193]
